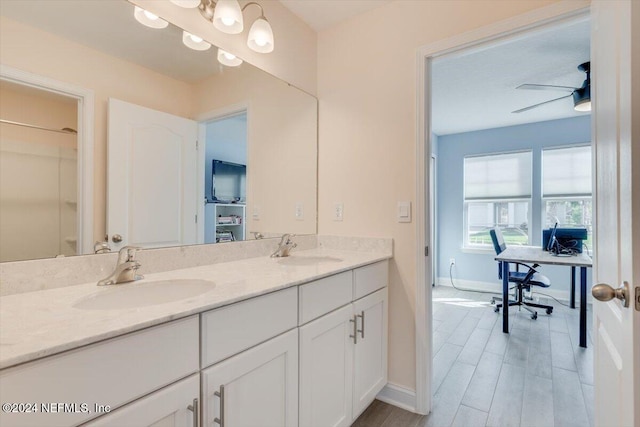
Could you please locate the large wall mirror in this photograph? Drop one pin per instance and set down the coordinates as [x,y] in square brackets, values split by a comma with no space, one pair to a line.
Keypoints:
[185,150]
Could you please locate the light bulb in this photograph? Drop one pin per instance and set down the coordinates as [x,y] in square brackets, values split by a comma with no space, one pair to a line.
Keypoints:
[228,59]
[227,20]
[149,19]
[150,15]
[261,36]
[194,42]
[227,17]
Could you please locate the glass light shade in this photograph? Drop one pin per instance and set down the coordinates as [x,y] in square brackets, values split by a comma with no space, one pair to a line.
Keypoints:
[227,17]
[228,59]
[194,42]
[261,36]
[187,4]
[583,106]
[148,19]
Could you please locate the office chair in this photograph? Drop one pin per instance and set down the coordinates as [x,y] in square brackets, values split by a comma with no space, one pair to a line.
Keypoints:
[523,281]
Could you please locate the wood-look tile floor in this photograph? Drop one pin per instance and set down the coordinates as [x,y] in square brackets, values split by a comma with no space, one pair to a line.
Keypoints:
[537,375]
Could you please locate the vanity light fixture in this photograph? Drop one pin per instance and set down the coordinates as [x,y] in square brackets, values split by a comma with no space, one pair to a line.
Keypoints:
[226,16]
[194,42]
[228,59]
[148,19]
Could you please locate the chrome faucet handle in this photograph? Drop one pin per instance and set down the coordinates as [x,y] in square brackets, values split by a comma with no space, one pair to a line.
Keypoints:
[128,253]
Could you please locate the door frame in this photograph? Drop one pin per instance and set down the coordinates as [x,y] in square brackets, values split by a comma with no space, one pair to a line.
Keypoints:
[203,119]
[506,30]
[85,124]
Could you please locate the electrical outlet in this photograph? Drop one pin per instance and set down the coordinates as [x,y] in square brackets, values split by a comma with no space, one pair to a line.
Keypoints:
[299,212]
[452,261]
[338,212]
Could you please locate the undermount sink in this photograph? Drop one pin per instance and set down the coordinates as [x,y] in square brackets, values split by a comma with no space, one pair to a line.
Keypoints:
[144,294]
[307,260]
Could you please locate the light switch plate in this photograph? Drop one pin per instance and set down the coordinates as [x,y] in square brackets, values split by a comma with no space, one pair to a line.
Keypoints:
[404,211]
[338,211]
[256,213]
[299,213]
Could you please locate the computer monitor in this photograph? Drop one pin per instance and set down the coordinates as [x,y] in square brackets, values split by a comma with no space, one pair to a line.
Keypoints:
[551,245]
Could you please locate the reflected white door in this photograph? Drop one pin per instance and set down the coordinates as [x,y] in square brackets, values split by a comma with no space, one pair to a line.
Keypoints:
[617,171]
[152,177]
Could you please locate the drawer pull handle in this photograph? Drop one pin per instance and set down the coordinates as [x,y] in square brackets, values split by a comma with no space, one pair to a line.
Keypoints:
[220,394]
[361,316]
[355,329]
[196,413]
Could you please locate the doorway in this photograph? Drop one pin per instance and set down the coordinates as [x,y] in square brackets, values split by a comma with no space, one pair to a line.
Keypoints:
[72,172]
[225,180]
[478,40]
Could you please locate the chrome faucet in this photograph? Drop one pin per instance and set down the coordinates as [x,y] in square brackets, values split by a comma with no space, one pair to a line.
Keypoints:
[126,268]
[285,246]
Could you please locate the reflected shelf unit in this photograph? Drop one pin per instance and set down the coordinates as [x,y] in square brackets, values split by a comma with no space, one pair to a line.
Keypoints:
[224,222]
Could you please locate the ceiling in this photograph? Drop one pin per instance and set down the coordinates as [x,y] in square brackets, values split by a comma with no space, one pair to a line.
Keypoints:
[322,14]
[476,89]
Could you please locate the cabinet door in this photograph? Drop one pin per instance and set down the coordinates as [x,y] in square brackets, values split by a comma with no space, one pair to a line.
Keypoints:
[370,358]
[172,406]
[326,370]
[258,387]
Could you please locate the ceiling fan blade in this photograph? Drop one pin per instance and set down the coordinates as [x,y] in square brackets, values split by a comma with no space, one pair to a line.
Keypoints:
[542,103]
[546,87]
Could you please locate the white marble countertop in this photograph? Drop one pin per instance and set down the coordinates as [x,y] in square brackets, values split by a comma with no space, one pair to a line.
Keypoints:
[42,323]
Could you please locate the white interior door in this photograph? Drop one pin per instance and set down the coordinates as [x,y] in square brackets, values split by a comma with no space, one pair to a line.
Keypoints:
[152,177]
[617,169]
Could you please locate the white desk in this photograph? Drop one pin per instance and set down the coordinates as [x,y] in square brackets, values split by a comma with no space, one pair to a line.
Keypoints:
[535,255]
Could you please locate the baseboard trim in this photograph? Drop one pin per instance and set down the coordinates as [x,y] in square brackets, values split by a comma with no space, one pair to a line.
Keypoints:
[398,396]
[475,285]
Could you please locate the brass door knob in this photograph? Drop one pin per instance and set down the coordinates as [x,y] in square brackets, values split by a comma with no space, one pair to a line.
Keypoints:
[604,292]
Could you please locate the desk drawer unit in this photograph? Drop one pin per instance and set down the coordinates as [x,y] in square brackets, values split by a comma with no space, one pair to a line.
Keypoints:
[229,330]
[112,372]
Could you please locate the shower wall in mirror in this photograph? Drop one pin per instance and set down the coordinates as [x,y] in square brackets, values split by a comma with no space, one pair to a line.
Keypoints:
[119,59]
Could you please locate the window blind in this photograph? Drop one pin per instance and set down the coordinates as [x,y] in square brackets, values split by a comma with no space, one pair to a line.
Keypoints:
[498,176]
[566,172]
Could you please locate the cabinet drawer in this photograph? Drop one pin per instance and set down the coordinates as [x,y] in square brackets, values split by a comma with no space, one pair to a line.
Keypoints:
[370,278]
[232,329]
[324,295]
[112,373]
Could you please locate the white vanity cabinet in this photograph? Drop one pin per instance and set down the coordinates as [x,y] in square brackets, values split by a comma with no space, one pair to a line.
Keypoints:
[173,406]
[256,388]
[343,354]
[310,355]
[112,372]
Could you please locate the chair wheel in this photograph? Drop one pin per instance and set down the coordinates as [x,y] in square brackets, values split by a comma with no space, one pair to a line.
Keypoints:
[534,316]
[497,309]
[493,302]
[549,310]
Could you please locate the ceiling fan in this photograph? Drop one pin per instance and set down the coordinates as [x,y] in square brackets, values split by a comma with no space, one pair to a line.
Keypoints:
[581,95]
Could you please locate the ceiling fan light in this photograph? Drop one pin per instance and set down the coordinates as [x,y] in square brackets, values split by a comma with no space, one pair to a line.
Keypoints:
[187,4]
[582,99]
[228,59]
[194,42]
[149,19]
[227,17]
[583,106]
[261,37]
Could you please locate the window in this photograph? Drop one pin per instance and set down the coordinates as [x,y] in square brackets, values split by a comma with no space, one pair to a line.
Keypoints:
[566,188]
[497,192]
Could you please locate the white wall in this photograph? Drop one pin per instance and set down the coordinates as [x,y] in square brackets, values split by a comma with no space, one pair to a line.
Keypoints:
[367,93]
